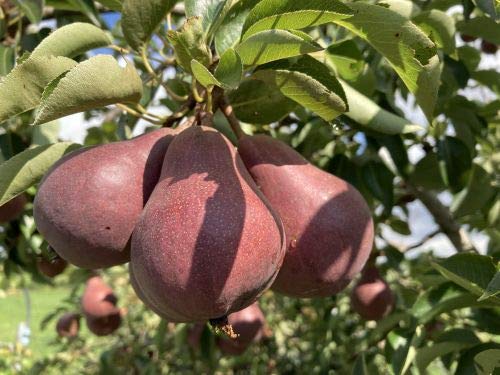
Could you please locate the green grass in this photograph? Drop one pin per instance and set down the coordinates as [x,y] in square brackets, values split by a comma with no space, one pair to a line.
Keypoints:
[44,300]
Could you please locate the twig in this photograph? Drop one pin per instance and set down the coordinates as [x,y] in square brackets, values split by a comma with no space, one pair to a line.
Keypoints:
[227,110]
[423,240]
[137,114]
[183,111]
[444,219]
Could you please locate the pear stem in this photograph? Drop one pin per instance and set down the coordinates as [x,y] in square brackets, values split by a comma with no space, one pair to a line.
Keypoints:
[227,110]
[222,326]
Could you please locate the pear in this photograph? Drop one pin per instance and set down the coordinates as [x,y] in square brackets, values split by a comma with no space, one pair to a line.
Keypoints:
[13,208]
[207,243]
[89,202]
[51,268]
[249,325]
[372,297]
[68,325]
[99,307]
[328,225]
[140,293]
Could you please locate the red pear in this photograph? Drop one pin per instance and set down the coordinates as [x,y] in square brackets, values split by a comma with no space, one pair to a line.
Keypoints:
[207,243]
[13,208]
[99,307]
[328,225]
[372,297]
[68,325]
[248,324]
[468,38]
[140,293]
[104,326]
[489,48]
[89,202]
[51,268]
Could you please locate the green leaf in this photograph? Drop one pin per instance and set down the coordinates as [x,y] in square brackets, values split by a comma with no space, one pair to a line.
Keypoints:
[467,364]
[369,115]
[360,367]
[115,5]
[454,161]
[203,75]
[426,173]
[489,78]
[189,44]
[258,102]
[7,59]
[470,57]
[487,6]
[87,8]
[477,193]
[72,40]
[410,52]
[22,88]
[229,71]
[141,18]
[440,27]
[33,9]
[379,180]
[493,288]
[229,32]
[27,168]
[292,14]
[402,362]
[482,27]
[406,8]
[271,45]
[85,87]
[444,299]
[347,58]
[45,134]
[471,271]
[308,82]
[461,341]
[211,11]
[487,361]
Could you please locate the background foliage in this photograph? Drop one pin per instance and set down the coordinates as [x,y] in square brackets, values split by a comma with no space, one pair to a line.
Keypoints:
[334,80]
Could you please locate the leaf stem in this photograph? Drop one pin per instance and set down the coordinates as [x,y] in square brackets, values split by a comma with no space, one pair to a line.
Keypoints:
[148,66]
[137,114]
[196,94]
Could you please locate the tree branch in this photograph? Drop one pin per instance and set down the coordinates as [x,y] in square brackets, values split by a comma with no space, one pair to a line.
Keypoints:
[444,219]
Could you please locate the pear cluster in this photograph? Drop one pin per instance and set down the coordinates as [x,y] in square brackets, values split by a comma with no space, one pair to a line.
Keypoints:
[206,228]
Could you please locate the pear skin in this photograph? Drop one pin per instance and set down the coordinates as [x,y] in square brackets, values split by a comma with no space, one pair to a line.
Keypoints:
[89,202]
[328,224]
[207,243]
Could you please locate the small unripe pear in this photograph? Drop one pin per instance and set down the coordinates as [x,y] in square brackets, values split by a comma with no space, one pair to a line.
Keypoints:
[488,48]
[51,268]
[68,325]
[248,324]
[13,208]
[99,307]
[467,38]
[372,297]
